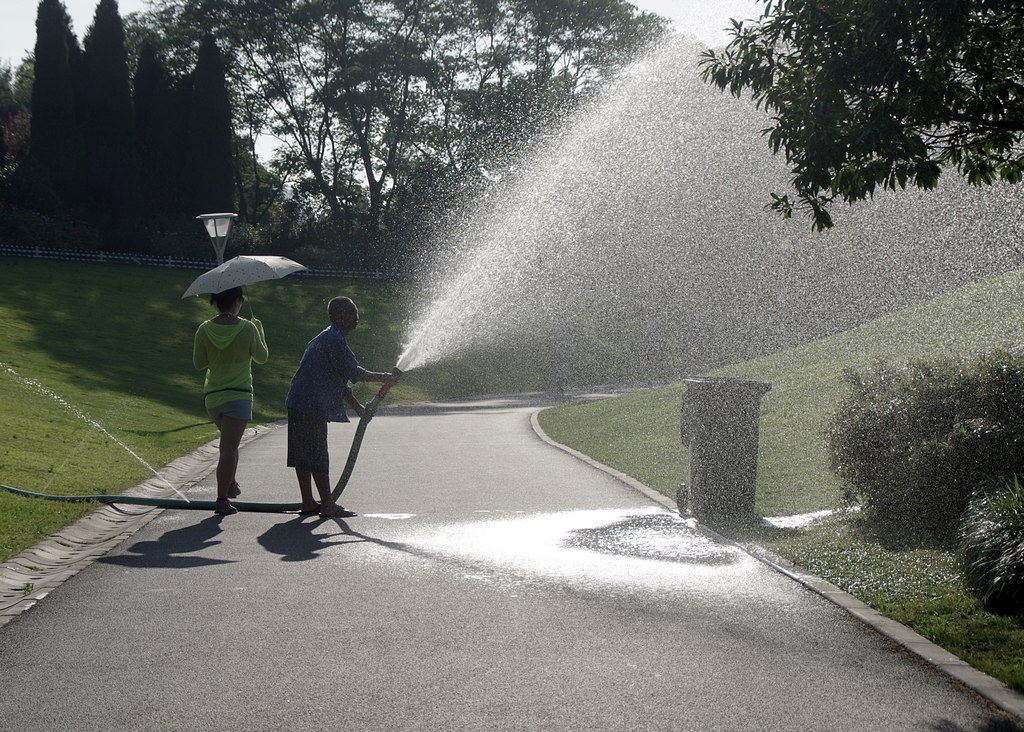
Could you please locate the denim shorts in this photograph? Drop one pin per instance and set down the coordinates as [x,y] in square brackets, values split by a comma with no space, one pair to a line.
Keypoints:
[236,409]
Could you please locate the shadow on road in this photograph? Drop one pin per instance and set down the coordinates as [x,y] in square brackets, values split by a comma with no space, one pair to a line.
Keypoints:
[293,541]
[173,548]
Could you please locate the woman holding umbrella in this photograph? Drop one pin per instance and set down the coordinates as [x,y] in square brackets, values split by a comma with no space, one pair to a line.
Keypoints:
[226,345]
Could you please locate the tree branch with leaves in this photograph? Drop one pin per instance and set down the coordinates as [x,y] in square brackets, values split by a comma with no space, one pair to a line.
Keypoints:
[878,94]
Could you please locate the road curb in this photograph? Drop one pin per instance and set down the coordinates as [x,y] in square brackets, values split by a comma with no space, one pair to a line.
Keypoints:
[988,687]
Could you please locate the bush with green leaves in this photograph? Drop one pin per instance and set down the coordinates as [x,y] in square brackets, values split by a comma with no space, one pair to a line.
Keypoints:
[913,443]
[992,549]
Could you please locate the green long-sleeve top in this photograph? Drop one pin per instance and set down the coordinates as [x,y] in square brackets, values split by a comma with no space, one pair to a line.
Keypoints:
[227,353]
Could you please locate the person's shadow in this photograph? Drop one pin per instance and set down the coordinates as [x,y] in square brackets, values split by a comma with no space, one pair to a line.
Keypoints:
[172,549]
[295,543]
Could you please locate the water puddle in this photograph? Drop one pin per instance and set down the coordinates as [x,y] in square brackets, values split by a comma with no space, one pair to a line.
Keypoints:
[603,550]
[802,520]
[663,537]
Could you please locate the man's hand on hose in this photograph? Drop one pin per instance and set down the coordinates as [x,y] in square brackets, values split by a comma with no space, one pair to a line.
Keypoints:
[358,408]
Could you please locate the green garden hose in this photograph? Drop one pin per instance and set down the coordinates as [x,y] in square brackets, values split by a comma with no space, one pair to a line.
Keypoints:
[368,413]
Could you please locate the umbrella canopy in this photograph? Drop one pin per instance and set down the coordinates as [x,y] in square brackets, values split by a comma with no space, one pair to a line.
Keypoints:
[240,271]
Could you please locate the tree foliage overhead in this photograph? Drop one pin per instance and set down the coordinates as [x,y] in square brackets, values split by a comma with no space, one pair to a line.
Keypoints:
[870,94]
[384,114]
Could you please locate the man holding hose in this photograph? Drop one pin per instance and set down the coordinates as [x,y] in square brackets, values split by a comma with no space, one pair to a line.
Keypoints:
[319,391]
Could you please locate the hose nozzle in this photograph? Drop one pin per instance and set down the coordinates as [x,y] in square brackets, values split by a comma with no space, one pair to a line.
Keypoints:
[371,406]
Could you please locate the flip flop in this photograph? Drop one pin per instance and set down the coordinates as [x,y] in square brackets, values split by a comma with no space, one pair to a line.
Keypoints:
[223,507]
[310,511]
[337,512]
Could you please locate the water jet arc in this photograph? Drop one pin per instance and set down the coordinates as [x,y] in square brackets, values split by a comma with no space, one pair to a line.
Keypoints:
[369,411]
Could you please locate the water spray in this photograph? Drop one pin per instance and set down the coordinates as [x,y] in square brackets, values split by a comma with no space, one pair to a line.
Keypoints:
[369,411]
[74,411]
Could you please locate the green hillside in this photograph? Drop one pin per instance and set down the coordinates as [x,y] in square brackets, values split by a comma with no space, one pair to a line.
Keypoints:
[639,433]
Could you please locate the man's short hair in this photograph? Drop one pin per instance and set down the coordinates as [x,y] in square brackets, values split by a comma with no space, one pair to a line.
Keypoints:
[338,306]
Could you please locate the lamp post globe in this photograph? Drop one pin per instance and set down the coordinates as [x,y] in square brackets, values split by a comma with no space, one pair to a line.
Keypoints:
[218,226]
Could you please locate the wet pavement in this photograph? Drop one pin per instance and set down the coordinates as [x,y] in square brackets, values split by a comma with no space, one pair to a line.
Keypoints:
[491,582]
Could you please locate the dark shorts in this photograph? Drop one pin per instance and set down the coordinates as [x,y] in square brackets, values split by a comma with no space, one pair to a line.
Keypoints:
[307,442]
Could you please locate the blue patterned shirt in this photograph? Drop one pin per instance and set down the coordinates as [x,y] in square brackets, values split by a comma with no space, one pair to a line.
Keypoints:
[322,380]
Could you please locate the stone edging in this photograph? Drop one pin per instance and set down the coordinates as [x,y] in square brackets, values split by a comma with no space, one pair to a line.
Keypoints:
[993,690]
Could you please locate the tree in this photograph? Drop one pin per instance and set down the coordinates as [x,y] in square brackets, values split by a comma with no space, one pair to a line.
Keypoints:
[8,108]
[159,135]
[8,101]
[882,94]
[109,173]
[361,95]
[53,144]
[14,135]
[208,143]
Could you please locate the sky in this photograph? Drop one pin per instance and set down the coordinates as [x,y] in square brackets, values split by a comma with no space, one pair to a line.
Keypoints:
[705,19]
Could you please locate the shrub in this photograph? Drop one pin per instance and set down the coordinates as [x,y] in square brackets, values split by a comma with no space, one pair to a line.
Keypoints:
[26,228]
[912,444]
[992,549]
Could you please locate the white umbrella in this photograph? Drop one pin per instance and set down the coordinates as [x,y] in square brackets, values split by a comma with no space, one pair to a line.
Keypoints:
[240,271]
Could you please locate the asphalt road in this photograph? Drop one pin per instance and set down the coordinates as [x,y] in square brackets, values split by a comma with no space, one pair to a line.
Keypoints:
[491,582]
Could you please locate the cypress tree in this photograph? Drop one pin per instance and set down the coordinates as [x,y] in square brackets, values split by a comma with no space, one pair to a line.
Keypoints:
[209,135]
[7,107]
[158,135]
[53,138]
[107,124]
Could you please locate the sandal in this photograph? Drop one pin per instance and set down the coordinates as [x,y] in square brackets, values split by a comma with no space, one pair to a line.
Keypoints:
[311,511]
[223,507]
[234,491]
[336,511]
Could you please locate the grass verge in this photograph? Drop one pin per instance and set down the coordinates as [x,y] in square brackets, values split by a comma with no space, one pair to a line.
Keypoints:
[921,588]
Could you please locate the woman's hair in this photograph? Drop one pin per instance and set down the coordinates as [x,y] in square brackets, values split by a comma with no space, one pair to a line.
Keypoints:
[224,300]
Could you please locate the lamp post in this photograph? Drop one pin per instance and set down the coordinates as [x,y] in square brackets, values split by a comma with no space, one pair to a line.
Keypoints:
[218,226]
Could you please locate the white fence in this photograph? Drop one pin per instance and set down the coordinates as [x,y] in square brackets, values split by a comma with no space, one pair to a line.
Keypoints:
[150,260]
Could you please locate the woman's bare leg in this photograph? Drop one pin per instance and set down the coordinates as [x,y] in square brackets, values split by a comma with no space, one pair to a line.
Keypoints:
[231,431]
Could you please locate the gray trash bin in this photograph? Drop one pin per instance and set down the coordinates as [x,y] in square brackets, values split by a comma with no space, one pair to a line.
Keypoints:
[720,419]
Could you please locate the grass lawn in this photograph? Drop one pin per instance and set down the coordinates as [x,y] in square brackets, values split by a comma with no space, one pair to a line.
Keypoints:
[638,434]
